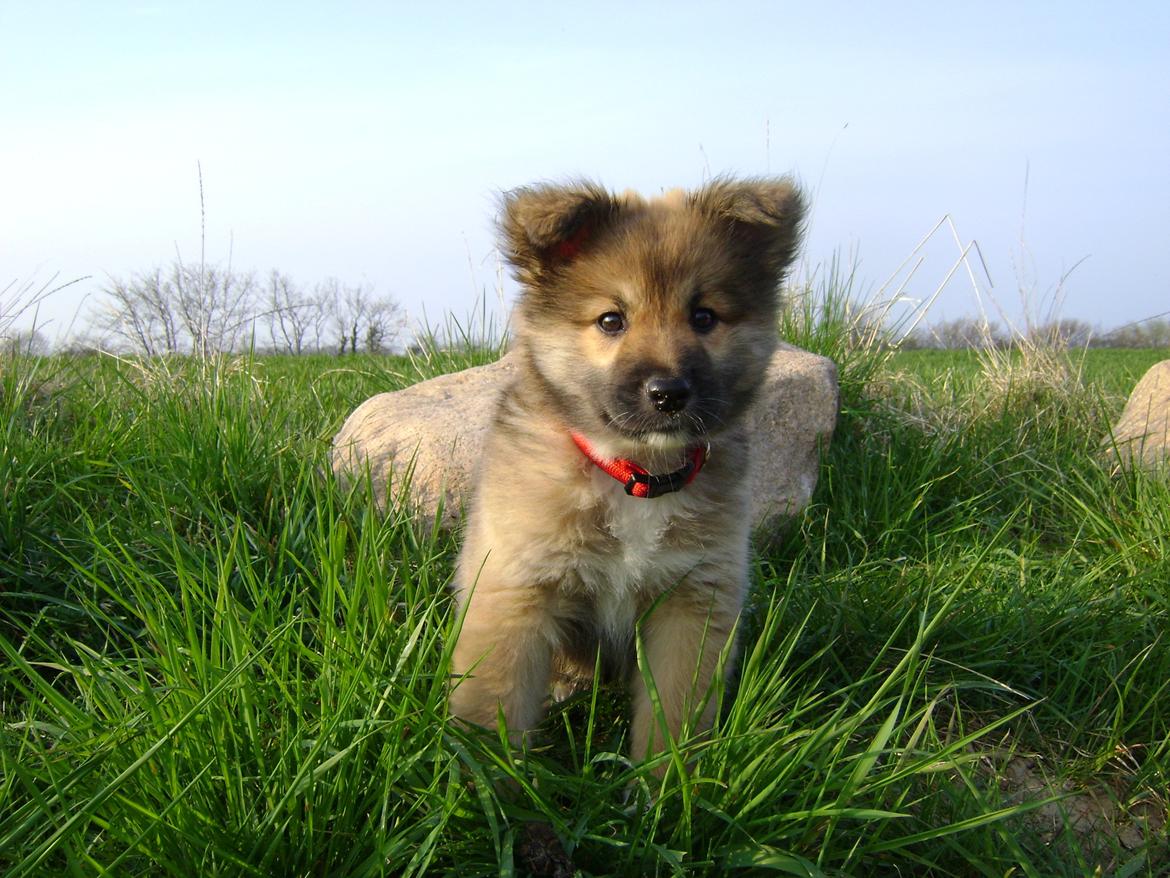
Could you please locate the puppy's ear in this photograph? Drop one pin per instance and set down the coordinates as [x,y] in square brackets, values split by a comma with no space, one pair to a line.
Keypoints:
[766,214]
[546,227]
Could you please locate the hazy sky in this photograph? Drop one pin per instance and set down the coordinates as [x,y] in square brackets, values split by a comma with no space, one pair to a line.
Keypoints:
[369,142]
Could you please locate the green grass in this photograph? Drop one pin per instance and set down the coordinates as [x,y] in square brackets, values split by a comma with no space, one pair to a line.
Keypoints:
[1113,371]
[217,662]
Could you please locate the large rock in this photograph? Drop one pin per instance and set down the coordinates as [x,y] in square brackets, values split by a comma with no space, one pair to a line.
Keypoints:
[429,435]
[1142,436]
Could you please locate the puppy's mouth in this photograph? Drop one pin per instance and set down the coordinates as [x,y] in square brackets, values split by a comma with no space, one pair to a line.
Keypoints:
[658,430]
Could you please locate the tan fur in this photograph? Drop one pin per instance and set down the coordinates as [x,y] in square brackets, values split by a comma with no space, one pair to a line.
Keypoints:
[558,562]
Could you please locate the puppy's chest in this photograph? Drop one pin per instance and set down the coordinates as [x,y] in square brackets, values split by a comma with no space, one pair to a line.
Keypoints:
[634,555]
[640,545]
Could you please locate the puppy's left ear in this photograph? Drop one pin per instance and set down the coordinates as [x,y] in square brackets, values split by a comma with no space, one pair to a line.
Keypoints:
[545,227]
[765,213]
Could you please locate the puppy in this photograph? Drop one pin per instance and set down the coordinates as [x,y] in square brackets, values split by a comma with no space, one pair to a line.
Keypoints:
[612,494]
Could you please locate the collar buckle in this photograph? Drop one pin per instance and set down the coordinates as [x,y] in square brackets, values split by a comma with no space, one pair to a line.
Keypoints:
[657,485]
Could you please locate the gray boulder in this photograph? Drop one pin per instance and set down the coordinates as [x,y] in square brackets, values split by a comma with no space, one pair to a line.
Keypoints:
[427,436]
[1142,436]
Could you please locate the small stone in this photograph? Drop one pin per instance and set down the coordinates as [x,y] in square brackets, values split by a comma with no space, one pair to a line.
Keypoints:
[540,852]
[1142,436]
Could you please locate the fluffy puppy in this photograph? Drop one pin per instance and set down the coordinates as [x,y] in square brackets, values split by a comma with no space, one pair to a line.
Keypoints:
[612,493]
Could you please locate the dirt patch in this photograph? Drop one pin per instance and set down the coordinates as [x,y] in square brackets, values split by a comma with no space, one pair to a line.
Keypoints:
[1107,815]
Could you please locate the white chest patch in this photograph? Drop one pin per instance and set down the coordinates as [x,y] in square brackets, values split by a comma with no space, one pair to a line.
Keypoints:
[639,564]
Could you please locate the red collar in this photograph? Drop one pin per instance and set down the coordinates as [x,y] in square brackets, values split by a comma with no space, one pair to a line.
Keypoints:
[638,481]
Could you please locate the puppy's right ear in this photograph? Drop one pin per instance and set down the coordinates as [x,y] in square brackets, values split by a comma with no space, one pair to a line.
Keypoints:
[545,227]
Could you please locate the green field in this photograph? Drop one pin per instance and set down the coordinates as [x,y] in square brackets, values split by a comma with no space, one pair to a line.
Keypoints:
[216,662]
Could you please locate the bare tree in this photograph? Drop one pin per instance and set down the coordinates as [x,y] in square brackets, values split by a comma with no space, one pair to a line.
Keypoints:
[1065,332]
[200,309]
[140,314]
[24,342]
[187,309]
[355,309]
[214,305]
[962,332]
[1152,333]
[329,293]
[385,321]
[295,318]
[362,318]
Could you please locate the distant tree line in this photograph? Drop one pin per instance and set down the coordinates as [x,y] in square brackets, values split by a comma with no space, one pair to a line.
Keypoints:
[1142,334]
[23,342]
[16,299]
[185,309]
[973,332]
[193,309]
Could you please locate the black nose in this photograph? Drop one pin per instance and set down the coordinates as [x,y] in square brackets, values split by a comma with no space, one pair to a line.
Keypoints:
[668,395]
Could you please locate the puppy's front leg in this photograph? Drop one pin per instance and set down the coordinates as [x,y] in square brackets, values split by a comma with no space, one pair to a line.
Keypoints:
[683,639]
[502,659]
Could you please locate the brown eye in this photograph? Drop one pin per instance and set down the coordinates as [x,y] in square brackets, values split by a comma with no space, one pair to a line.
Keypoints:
[611,322]
[703,319]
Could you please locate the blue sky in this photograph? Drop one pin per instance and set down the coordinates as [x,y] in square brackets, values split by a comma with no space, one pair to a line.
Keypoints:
[369,142]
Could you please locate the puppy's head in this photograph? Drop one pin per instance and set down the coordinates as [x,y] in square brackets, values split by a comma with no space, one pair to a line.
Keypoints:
[651,321]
